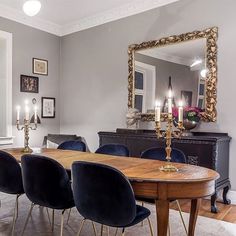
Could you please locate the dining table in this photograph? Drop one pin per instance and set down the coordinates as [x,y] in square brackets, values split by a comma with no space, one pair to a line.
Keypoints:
[148,181]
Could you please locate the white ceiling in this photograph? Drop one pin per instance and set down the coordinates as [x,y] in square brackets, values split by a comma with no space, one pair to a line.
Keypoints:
[181,53]
[62,17]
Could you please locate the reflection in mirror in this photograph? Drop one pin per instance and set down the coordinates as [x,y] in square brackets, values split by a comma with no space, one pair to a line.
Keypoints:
[180,67]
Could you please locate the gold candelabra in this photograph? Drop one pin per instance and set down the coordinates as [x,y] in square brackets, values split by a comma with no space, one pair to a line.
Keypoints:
[26,126]
[168,134]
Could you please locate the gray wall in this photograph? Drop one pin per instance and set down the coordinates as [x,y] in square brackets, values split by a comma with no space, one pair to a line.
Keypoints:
[29,43]
[94,67]
[182,78]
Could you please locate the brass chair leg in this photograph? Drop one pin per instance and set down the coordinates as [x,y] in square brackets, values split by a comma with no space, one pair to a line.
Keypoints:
[94,228]
[68,216]
[101,230]
[150,226]
[62,222]
[27,219]
[15,214]
[81,227]
[53,217]
[116,231]
[181,215]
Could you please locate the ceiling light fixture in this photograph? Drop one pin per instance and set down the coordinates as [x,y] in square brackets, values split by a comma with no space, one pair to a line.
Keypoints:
[204,73]
[197,62]
[32,7]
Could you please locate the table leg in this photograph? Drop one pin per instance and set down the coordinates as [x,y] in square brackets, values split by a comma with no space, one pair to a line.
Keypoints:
[162,212]
[195,205]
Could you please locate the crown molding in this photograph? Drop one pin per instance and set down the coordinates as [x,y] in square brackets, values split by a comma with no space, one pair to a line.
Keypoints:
[35,22]
[114,14]
[123,11]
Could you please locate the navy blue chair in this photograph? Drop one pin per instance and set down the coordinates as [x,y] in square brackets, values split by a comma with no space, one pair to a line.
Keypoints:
[46,183]
[73,145]
[159,153]
[11,180]
[104,195]
[113,149]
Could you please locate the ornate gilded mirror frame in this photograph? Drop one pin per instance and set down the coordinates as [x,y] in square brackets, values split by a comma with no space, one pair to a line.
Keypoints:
[211,36]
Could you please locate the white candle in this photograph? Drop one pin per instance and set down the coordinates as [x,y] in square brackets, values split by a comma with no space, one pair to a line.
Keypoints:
[157,112]
[35,114]
[27,110]
[18,113]
[170,102]
[181,111]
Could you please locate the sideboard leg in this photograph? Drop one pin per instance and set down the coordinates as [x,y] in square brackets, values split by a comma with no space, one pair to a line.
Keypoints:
[195,205]
[226,200]
[214,208]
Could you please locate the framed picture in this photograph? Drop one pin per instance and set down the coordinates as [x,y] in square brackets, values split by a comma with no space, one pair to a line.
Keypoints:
[40,66]
[186,97]
[29,84]
[48,107]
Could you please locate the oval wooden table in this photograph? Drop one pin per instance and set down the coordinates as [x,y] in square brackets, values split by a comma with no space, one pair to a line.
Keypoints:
[190,182]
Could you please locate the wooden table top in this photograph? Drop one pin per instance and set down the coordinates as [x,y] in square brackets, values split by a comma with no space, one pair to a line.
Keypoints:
[134,168]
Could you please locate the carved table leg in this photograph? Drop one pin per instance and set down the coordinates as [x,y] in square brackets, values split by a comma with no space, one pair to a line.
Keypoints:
[195,205]
[162,209]
[226,200]
[214,208]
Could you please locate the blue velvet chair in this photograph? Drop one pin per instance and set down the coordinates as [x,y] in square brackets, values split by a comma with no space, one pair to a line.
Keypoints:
[46,183]
[158,153]
[113,149]
[11,180]
[104,195]
[73,145]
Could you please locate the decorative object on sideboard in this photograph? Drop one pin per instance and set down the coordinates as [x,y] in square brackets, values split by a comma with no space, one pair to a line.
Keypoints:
[29,84]
[40,66]
[132,118]
[26,125]
[169,133]
[32,120]
[191,118]
[207,39]
[48,107]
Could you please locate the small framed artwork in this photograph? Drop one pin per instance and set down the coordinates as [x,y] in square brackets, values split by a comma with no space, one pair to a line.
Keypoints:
[48,107]
[40,66]
[29,84]
[186,97]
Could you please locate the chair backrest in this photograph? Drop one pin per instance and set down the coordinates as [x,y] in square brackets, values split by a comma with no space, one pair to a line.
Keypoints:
[113,149]
[103,194]
[74,145]
[160,154]
[10,174]
[46,182]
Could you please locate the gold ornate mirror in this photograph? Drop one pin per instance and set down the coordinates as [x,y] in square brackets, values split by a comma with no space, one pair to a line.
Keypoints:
[187,63]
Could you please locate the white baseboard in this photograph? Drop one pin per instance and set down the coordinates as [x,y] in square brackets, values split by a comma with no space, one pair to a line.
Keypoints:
[232,196]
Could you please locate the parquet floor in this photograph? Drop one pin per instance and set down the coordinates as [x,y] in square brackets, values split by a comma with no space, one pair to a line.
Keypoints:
[225,213]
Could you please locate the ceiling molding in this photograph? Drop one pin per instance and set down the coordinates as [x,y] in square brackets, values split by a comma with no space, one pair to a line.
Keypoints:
[114,14]
[104,17]
[35,22]
[167,57]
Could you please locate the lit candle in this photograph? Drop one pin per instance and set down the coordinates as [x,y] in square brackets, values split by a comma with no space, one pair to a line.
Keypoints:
[181,111]
[27,110]
[35,114]
[18,113]
[157,112]
[170,102]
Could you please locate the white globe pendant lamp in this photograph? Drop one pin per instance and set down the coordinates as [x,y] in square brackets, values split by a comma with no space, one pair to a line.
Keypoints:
[31,7]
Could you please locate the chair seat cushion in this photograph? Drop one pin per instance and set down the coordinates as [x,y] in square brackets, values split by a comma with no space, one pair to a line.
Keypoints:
[141,214]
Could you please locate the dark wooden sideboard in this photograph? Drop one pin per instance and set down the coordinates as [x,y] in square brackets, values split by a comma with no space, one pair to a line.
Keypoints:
[209,150]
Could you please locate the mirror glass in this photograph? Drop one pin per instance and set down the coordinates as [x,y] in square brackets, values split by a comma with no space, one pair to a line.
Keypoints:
[180,67]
